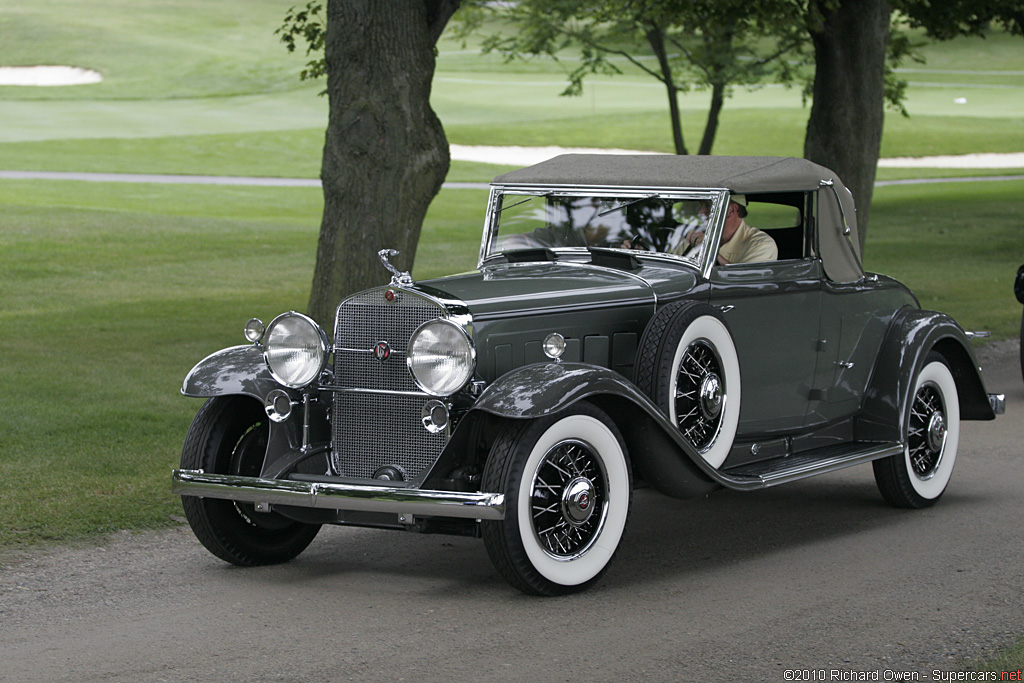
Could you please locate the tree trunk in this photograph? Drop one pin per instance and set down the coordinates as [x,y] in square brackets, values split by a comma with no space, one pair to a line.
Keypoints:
[844,131]
[656,40]
[714,113]
[385,154]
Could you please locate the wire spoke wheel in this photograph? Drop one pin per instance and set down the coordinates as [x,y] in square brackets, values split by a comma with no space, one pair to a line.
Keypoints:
[687,364]
[926,431]
[917,477]
[568,493]
[229,435]
[568,489]
[699,394]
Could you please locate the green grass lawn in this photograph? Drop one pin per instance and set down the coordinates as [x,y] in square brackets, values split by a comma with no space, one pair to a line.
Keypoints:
[108,299]
[109,293]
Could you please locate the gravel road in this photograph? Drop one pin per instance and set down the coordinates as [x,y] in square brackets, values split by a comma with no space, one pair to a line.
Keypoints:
[815,575]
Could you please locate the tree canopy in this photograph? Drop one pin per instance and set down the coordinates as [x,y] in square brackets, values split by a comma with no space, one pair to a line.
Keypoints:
[684,44]
[386,154]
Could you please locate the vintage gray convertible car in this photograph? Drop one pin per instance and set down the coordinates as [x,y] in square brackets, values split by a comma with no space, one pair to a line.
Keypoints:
[600,345]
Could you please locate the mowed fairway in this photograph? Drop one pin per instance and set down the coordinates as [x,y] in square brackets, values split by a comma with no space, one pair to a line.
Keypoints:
[110,292]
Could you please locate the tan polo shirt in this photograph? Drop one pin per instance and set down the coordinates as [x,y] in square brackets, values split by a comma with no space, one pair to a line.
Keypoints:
[749,245]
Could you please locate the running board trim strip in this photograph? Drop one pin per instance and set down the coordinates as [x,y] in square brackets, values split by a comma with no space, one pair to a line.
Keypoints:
[804,469]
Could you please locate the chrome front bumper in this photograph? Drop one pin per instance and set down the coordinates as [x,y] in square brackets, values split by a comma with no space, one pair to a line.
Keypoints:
[998,403]
[330,496]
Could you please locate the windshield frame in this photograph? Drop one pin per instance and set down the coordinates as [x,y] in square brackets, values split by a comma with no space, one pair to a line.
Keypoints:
[701,260]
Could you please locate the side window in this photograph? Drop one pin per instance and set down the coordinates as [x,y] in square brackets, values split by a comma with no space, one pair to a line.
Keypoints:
[781,217]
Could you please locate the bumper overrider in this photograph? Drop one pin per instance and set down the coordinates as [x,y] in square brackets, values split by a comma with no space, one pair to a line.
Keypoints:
[337,496]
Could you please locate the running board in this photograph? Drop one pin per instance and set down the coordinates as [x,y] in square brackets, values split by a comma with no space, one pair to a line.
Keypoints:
[792,468]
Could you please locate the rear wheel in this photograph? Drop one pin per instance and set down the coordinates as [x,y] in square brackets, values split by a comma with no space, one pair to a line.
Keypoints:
[229,436]
[917,477]
[568,491]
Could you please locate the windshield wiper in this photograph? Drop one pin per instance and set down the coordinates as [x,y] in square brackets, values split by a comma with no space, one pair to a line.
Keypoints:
[625,204]
[523,201]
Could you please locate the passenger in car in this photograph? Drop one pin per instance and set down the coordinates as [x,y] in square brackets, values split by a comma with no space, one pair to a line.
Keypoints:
[741,242]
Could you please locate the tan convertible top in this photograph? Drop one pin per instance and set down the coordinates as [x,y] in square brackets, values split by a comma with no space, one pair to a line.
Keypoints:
[837,228]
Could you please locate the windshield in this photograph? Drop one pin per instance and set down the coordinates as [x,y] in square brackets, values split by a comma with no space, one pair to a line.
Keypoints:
[647,222]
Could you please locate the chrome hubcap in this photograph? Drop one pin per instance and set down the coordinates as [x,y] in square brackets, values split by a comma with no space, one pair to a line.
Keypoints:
[936,432]
[710,396]
[578,501]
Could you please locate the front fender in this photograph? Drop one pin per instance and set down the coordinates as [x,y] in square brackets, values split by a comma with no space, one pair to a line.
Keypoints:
[664,459]
[241,371]
[235,370]
[545,388]
[912,335]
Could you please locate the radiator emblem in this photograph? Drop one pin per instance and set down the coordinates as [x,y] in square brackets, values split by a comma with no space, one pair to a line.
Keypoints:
[382,351]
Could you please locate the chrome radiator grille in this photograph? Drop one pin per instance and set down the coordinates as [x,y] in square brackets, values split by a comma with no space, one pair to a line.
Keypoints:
[373,426]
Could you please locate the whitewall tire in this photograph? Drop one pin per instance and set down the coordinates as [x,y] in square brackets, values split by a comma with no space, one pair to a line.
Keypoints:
[568,489]
[918,477]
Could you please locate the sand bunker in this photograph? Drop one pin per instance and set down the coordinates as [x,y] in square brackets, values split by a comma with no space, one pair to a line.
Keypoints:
[47,75]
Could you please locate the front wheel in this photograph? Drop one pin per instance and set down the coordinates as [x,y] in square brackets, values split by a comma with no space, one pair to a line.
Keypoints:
[568,490]
[917,477]
[229,436]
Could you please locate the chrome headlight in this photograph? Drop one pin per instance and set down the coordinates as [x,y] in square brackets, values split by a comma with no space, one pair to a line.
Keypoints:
[295,349]
[440,357]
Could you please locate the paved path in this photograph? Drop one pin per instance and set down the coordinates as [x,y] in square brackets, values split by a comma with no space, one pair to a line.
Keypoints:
[817,575]
[314,182]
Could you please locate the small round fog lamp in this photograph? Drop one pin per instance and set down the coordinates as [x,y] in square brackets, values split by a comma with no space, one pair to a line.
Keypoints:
[254,330]
[434,416]
[554,346]
[278,405]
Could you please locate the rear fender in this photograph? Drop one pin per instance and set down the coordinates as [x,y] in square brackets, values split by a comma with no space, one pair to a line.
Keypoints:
[911,336]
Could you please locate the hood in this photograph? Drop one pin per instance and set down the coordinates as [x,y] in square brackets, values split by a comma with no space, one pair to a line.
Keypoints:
[512,289]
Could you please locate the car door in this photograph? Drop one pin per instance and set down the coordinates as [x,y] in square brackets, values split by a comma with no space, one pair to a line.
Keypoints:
[772,310]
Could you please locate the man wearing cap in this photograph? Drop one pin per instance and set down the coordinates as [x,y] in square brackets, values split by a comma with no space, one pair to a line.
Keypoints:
[741,243]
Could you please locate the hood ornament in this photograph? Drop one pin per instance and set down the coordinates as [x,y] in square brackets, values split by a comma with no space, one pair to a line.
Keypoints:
[399,278]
